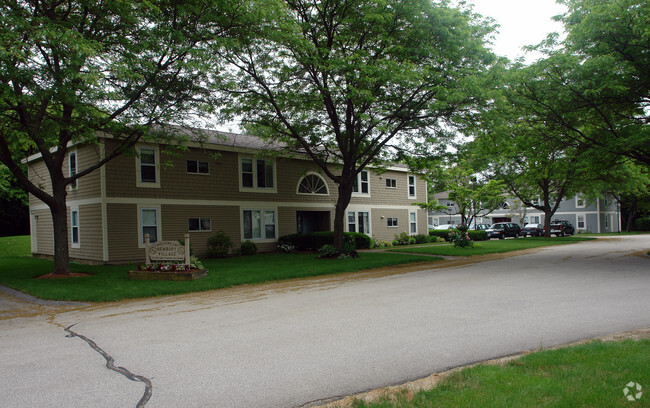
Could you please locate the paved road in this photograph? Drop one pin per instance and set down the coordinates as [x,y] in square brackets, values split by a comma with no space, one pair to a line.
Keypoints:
[291,344]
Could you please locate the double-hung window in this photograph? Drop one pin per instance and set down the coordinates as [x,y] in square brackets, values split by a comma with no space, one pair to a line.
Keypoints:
[259,224]
[362,183]
[149,223]
[413,223]
[147,167]
[74,228]
[411,185]
[72,168]
[257,174]
[359,221]
[580,201]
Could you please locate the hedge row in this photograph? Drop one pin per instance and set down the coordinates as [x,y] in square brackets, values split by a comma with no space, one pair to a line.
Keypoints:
[315,240]
[473,235]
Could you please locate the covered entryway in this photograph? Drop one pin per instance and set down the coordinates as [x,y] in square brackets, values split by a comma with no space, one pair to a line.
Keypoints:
[312,221]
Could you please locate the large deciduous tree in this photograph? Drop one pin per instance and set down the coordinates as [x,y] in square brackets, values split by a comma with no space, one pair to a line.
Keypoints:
[72,69]
[597,80]
[343,80]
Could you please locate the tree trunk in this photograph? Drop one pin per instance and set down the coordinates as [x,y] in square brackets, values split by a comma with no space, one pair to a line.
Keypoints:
[59,213]
[547,222]
[345,194]
[631,216]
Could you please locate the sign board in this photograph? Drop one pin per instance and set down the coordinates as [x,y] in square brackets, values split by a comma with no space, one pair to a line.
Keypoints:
[167,250]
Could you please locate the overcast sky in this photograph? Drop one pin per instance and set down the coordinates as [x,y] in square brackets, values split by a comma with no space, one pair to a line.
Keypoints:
[522,22]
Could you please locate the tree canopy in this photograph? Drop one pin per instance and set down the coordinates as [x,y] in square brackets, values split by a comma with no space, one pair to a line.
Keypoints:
[346,80]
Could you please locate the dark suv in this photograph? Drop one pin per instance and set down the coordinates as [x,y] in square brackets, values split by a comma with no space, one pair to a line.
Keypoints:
[561,228]
[503,229]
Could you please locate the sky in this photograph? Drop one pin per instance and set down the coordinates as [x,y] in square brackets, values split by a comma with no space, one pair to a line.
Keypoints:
[522,22]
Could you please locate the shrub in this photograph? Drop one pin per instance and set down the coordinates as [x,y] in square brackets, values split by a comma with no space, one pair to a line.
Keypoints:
[460,238]
[286,248]
[248,248]
[444,234]
[479,235]
[315,240]
[402,239]
[641,224]
[219,245]
[421,239]
[327,251]
[382,244]
[195,263]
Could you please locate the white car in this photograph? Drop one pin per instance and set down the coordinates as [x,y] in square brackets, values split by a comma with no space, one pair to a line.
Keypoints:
[445,227]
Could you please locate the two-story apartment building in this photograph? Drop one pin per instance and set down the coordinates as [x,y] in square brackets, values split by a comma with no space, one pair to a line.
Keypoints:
[601,215]
[223,183]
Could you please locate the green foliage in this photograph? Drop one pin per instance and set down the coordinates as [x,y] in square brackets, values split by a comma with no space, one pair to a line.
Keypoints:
[460,238]
[642,224]
[195,263]
[441,234]
[327,251]
[477,235]
[315,240]
[248,248]
[422,239]
[219,245]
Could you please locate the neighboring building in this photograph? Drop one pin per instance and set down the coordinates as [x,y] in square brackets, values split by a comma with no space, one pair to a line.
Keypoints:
[224,183]
[601,215]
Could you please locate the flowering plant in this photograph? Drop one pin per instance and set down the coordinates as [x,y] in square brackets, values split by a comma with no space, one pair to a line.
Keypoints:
[164,267]
[460,238]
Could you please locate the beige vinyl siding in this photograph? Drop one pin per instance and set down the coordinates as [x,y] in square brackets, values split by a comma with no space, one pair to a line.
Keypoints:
[222,218]
[40,177]
[123,233]
[44,232]
[381,231]
[88,186]
[90,234]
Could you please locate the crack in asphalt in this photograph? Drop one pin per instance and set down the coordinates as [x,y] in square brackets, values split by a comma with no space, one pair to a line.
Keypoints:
[111,366]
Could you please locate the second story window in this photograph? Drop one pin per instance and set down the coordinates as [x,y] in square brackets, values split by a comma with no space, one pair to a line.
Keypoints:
[362,183]
[257,173]
[198,167]
[411,180]
[72,167]
[147,165]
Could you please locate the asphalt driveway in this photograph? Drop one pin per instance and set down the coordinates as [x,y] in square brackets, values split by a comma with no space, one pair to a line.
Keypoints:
[296,343]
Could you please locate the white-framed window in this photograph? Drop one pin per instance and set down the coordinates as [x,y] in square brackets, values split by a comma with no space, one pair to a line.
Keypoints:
[359,221]
[413,223]
[581,222]
[198,167]
[72,168]
[391,183]
[411,186]
[257,174]
[312,184]
[149,223]
[259,224]
[362,183]
[74,228]
[391,222]
[534,219]
[580,201]
[195,224]
[147,167]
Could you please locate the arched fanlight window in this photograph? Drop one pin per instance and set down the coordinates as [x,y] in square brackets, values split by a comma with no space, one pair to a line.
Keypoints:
[312,184]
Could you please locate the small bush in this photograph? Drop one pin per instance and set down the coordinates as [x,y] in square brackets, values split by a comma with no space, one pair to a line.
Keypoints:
[382,244]
[641,224]
[478,235]
[219,245]
[460,238]
[315,240]
[195,263]
[287,248]
[327,251]
[402,239]
[248,248]
[421,239]
[444,234]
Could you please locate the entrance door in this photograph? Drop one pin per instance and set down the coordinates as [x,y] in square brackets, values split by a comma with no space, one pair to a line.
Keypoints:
[312,221]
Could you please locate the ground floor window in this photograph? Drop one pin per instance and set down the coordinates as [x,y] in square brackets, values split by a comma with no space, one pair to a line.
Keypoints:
[359,221]
[392,222]
[534,220]
[259,224]
[74,228]
[413,222]
[149,222]
[581,221]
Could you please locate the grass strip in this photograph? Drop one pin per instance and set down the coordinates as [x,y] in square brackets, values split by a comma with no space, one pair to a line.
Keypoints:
[588,375]
[110,282]
[492,246]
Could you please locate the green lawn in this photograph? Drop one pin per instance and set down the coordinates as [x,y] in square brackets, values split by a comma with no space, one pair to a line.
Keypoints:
[588,375]
[492,246]
[108,283]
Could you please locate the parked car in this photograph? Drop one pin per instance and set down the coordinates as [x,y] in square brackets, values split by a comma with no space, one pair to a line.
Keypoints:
[534,230]
[501,230]
[481,227]
[444,227]
[561,228]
